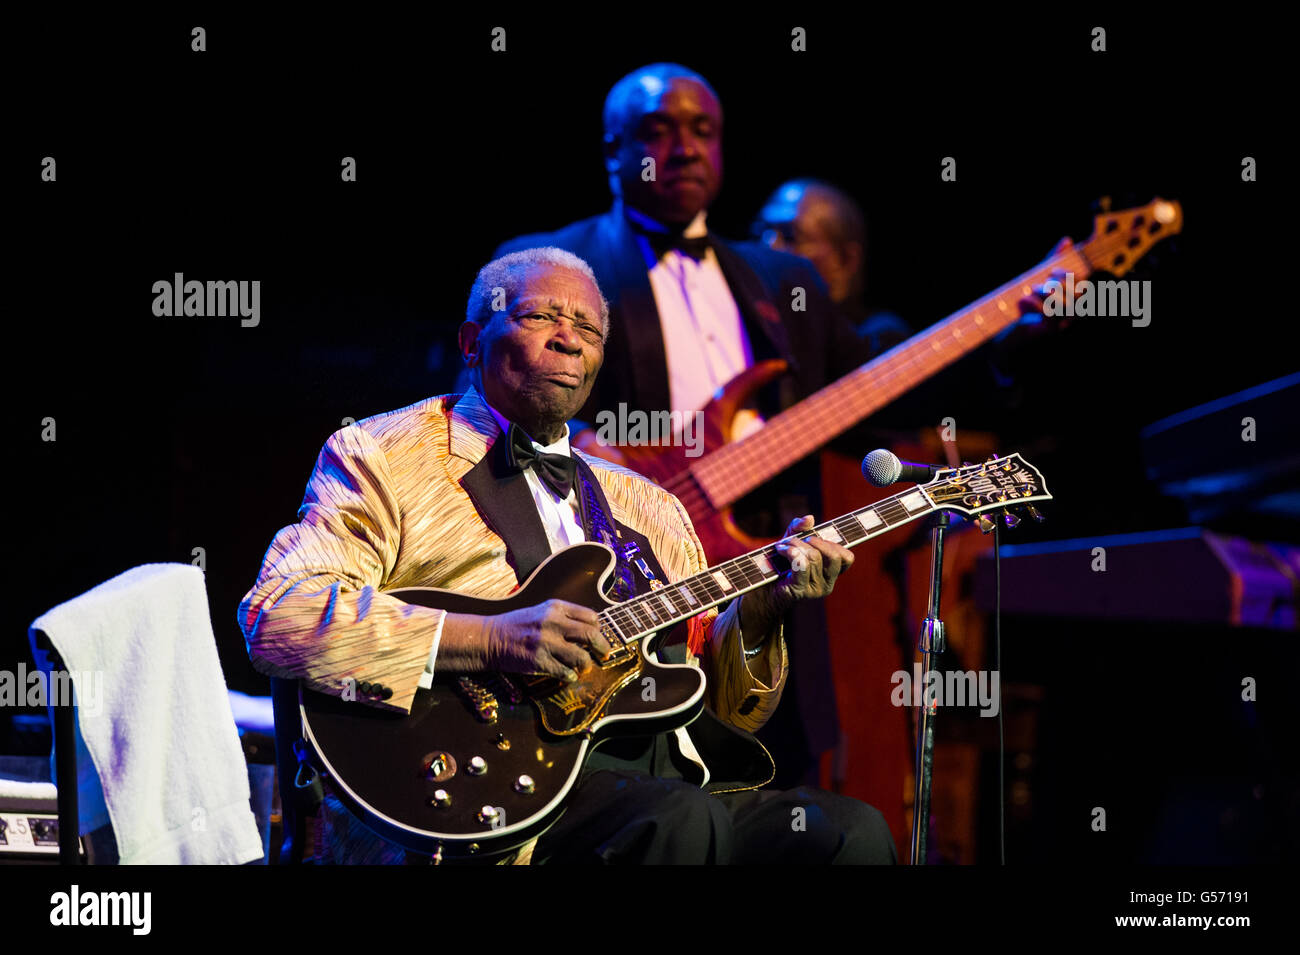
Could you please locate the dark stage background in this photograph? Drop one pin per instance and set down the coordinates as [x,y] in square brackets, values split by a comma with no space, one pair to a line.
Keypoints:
[182,433]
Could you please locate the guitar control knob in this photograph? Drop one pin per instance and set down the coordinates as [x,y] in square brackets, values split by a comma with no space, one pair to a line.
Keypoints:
[488,815]
[525,784]
[439,766]
[441,799]
[477,766]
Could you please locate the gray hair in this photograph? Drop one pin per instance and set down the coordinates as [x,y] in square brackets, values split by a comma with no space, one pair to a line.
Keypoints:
[507,273]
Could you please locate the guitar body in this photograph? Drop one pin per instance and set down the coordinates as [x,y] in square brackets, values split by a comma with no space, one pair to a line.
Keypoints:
[388,768]
[670,467]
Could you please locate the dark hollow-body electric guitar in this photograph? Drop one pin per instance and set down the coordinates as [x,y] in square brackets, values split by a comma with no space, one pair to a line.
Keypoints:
[484,762]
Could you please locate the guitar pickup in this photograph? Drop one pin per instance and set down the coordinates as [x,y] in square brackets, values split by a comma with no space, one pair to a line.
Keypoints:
[620,654]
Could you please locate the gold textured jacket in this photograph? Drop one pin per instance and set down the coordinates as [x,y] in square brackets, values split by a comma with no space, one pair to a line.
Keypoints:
[384,509]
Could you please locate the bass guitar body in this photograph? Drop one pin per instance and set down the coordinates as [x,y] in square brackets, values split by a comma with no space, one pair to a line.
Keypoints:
[670,466]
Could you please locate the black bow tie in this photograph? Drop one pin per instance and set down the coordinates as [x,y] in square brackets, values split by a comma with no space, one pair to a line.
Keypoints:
[557,471]
[662,242]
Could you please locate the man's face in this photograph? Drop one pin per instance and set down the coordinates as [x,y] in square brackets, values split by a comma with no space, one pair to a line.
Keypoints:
[539,357]
[679,126]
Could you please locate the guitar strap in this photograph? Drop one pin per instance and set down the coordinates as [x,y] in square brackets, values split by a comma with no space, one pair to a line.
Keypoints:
[599,524]
[735,759]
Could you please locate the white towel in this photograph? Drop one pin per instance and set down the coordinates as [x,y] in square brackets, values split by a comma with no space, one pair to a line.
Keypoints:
[154,718]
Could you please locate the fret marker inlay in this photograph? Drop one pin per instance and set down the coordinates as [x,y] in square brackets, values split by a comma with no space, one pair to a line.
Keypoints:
[914,501]
[869,520]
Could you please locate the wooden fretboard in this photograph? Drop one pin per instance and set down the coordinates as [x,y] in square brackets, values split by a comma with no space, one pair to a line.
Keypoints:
[660,608]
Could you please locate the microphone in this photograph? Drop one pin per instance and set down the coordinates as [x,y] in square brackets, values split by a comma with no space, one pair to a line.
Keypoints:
[883,468]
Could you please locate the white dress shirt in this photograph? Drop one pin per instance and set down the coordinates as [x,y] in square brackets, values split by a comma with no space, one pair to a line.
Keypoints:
[705,342]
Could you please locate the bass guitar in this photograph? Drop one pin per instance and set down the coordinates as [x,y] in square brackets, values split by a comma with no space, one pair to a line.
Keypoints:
[725,470]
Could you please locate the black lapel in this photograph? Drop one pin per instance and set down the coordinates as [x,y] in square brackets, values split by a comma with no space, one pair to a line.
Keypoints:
[755,304]
[627,285]
[505,502]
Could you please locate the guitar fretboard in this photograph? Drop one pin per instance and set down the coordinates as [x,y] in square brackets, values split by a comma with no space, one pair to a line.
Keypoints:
[672,603]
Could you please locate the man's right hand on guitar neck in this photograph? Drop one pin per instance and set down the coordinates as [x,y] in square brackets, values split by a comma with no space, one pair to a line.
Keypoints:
[553,638]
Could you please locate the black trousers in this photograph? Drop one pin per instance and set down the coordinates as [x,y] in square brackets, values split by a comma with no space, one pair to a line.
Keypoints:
[619,816]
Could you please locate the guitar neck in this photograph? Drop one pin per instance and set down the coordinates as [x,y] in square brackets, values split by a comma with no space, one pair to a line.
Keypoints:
[648,613]
[734,470]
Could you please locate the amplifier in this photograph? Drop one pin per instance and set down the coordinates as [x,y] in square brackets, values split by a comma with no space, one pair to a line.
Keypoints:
[29,825]
[1183,575]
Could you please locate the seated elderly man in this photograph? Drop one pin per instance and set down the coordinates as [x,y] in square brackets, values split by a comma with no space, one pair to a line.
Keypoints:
[449,493]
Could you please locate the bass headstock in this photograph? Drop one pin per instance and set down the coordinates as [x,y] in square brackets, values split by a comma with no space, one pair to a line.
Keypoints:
[1119,239]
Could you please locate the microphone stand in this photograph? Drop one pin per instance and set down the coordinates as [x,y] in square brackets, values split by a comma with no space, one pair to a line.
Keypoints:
[930,643]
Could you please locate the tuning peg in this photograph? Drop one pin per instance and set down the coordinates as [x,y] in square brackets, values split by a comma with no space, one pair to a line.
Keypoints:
[1009,519]
[986,525]
[1035,513]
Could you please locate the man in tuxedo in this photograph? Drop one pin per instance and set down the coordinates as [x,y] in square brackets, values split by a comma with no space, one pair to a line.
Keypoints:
[689,312]
[471,493]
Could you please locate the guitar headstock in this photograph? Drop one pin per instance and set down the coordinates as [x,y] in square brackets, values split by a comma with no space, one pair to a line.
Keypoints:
[999,484]
[1119,239]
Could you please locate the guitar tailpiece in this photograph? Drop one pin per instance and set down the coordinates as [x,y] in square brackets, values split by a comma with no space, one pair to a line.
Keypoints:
[481,700]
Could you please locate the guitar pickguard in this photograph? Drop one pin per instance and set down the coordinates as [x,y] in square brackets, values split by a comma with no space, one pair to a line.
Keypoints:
[570,708]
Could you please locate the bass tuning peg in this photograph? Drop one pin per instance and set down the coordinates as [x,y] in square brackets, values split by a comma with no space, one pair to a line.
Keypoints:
[1035,513]
[986,525]
[1009,519]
